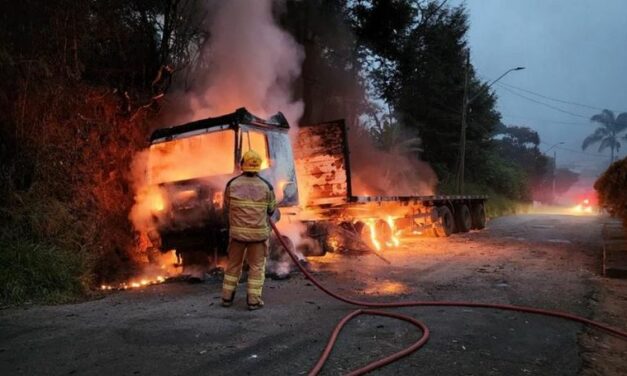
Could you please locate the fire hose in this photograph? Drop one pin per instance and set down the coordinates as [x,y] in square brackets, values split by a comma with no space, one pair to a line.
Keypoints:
[425,331]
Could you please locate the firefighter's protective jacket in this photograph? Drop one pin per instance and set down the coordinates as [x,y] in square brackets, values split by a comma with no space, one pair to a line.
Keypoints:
[249,200]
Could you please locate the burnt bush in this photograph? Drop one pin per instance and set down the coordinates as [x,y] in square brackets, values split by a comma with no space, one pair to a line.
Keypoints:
[611,189]
[75,106]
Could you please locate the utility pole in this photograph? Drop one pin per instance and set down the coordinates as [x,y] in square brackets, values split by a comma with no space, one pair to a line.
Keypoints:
[461,165]
[554,174]
[462,137]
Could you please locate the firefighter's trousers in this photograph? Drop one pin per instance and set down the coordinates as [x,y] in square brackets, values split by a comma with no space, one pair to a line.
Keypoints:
[255,253]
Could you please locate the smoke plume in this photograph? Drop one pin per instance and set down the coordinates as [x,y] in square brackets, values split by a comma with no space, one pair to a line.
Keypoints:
[252,63]
[393,172]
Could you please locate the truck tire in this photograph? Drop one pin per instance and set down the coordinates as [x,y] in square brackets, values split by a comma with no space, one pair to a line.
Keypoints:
[446,223]
[478,216]
[463,218]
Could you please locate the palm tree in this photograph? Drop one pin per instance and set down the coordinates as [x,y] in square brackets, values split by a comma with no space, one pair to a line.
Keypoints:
[607,133]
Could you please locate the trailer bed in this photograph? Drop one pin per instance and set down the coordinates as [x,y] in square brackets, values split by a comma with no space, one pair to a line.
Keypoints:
[425,200]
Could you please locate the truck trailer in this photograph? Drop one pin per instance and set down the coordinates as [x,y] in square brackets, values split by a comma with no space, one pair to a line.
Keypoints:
[309,168]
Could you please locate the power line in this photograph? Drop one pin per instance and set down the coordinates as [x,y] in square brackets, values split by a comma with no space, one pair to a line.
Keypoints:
[582,152]
[543,103]
[576,151]
[587,125]
[551,98]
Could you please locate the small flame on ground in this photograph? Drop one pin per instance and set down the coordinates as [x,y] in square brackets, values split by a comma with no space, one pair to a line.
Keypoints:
[386,288]
[134,284]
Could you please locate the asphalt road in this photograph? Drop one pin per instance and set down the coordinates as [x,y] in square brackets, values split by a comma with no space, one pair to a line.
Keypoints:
[180,329]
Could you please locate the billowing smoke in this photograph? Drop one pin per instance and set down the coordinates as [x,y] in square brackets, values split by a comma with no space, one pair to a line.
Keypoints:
[393,172]
[252,63]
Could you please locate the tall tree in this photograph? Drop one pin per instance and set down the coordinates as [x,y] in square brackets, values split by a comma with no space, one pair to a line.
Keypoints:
[608,133]
[416,61]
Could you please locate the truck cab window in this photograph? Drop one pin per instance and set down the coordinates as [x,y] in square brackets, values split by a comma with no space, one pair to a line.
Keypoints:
[257,141]
[201,155]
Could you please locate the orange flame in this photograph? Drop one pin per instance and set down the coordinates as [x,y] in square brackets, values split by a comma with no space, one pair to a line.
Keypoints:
[154,274]
[373,234]
[394,237]
[134,284]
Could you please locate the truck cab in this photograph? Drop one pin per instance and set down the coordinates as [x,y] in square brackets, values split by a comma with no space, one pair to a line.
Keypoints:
[190,164]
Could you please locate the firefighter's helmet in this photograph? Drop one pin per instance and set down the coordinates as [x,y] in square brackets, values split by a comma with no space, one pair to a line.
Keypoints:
[251,161]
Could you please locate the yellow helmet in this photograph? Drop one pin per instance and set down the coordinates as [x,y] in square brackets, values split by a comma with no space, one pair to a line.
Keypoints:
[251,161]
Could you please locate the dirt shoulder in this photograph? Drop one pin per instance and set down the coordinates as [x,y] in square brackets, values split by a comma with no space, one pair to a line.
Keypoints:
[543,261]
[603,354]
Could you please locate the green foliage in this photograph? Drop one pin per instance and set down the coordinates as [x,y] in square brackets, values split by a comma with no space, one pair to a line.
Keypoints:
[331,82]
[611,188]
[43,257]
[391,135]
[40,272]
[76,79]
[499,205]
[528,171]
[421,74]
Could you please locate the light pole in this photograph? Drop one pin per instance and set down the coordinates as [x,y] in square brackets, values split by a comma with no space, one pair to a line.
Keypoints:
[465,103]
[554,167]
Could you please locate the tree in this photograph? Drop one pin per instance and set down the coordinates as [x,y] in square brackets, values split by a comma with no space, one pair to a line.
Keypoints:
[416,63]
[607,133]
[518,146]
[611,189]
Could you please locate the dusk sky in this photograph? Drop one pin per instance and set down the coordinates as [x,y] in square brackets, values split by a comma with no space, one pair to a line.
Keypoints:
[573,51]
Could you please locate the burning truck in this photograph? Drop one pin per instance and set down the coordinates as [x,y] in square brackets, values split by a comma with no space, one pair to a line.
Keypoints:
[190,164]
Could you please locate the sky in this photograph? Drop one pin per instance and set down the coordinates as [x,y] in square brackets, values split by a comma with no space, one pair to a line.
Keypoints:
[572,50]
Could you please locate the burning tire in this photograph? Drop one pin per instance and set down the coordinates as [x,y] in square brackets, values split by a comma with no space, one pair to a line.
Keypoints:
[478,217]
[375,233]
[462,218]
[446,223]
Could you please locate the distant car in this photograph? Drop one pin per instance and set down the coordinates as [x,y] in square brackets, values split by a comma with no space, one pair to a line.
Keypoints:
[584,207]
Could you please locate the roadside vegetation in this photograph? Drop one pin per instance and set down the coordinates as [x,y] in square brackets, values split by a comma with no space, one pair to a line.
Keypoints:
[611,188]
[85,81]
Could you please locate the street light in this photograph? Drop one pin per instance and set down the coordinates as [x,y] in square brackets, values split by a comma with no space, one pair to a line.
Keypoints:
[466,102]
[549,149]
[492,83]
[554,167]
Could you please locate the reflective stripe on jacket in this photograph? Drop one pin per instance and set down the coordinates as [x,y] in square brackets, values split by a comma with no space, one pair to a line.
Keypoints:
[249,200]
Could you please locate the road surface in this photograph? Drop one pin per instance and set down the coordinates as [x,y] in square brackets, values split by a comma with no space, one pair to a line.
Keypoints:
[546,261]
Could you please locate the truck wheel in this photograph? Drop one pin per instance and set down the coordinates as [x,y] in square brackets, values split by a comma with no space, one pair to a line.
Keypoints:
[463,218]
[446,224]
[478,217]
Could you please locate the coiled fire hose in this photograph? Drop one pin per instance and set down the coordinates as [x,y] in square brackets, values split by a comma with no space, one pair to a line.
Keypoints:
[425,331]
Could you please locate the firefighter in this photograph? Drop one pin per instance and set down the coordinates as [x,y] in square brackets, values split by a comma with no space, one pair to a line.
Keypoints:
[249,202]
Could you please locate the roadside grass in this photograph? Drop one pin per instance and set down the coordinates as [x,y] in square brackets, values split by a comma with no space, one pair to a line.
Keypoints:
[497,204]
[40,273]
[43,258]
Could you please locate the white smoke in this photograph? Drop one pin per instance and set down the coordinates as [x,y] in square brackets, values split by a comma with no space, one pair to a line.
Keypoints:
[252,63]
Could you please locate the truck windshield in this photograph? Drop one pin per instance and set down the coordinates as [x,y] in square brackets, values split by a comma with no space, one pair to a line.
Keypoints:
[197,156]
[257,141]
